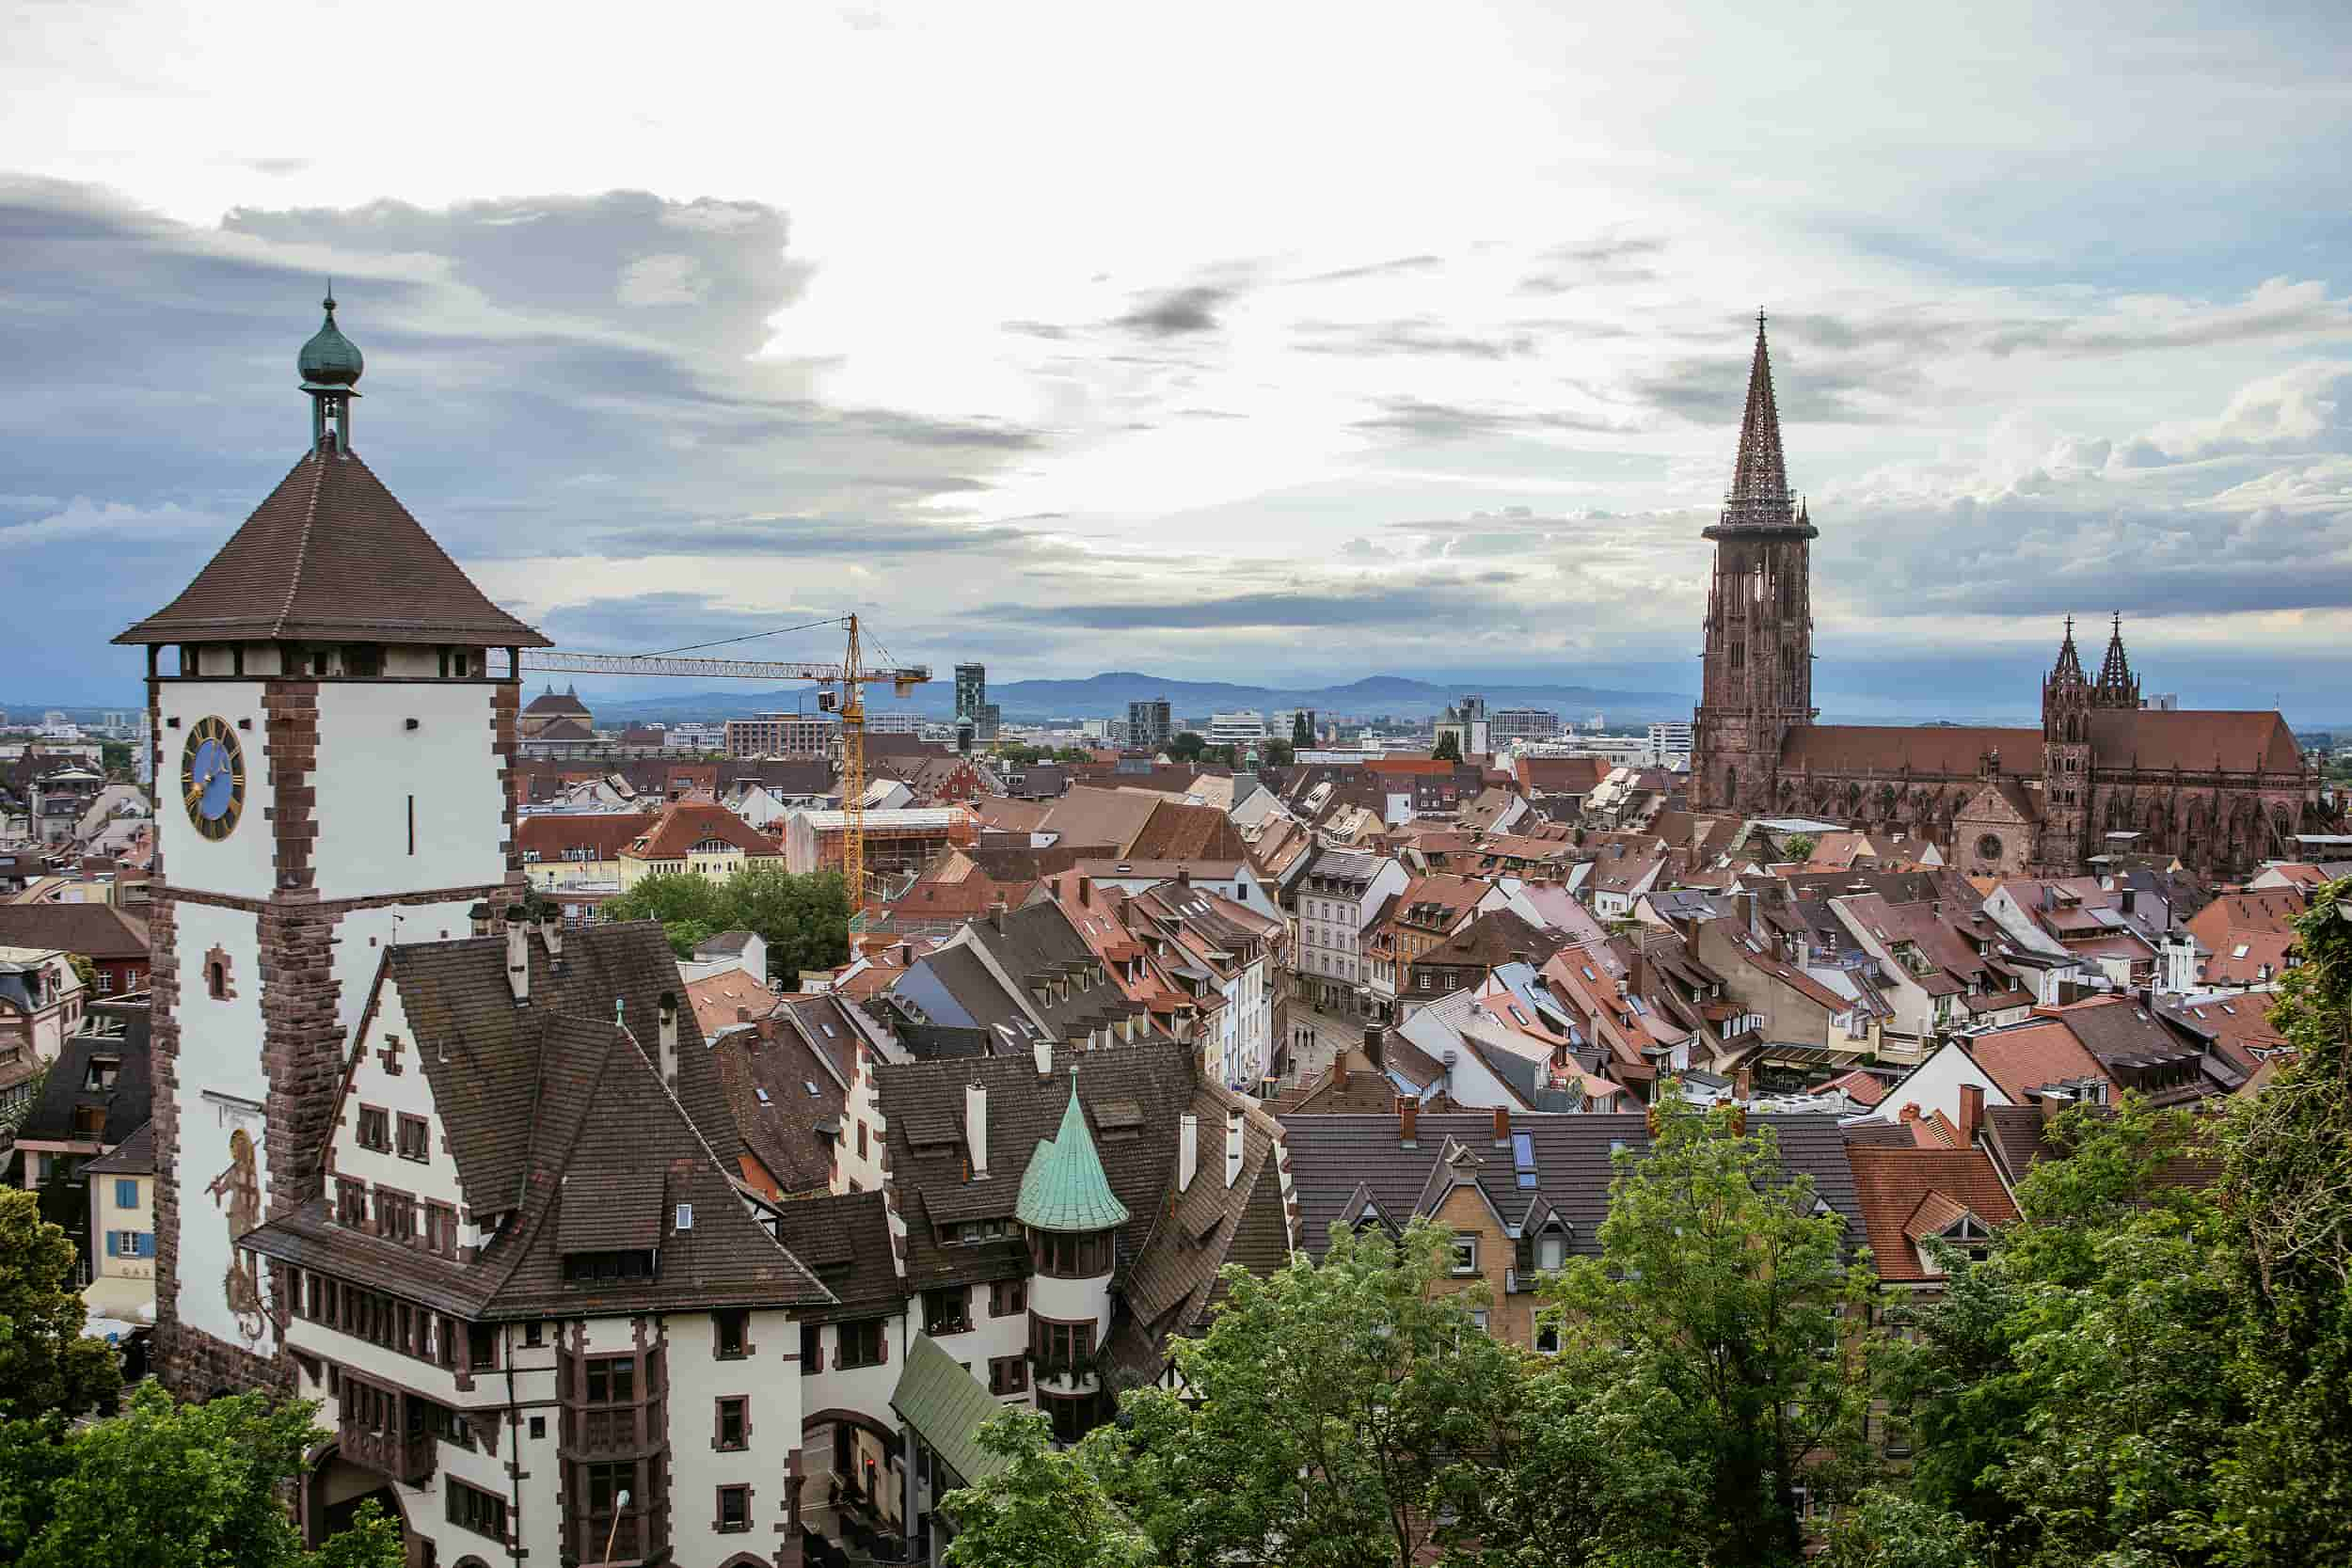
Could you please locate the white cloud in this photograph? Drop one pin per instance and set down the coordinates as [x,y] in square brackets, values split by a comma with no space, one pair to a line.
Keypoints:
[664,279]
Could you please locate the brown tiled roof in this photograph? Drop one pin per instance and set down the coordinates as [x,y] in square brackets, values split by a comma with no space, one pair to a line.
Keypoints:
[1906,1193]
[2193,738]
[2119,1031]
[482,1054]
[684,824]
[1925,749]
[100,932]
[1174,1281]
[844,1238]
[330,554]
[1156,1076]
[2024,1058]
[716,998]
[2270,909]
[1180,832]
[603,834]
[611,1161]
[135,1156]
[767,1070]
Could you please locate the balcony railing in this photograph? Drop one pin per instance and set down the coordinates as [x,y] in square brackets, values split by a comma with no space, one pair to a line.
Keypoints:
[404,1457]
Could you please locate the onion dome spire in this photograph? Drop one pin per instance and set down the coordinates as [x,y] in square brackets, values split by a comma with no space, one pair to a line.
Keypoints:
[1759,496]
[330,365]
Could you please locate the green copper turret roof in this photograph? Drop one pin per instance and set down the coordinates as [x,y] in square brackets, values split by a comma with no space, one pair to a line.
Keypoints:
[1064,1188]
[329,359]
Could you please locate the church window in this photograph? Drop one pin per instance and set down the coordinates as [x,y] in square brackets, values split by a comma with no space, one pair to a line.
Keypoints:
[1739,656]
[1989,847]
[216,979]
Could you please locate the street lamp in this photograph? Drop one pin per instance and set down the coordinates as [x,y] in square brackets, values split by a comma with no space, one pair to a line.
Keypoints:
[620,1506]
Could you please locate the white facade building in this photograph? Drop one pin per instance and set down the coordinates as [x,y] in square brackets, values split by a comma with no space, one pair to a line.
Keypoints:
[1336,901]
[1238,728]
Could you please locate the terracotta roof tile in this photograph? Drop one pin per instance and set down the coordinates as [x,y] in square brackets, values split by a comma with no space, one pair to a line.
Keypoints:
[1906,1193]
[324,557]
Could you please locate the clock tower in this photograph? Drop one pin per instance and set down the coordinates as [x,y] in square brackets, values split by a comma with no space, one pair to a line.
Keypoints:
[332,708]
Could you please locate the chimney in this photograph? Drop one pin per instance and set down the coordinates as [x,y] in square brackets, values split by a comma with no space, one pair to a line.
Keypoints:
[742,1014]
[1910,1114]
[2053,1107]
[552,932]
[1376,1047]
[1233,1147]
[1971,1113]
[480,914]
[1743,1085]
[1407,1119]
[667,1018]
[1502,1127]
[1086,890]
[975,1128]
[1183,876]
[517,960]
[1738,1121]
[996,914]
[1042,1049]
[1188,1150]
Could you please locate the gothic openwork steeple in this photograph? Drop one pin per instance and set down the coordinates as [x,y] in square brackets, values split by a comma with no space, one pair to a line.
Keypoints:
[1759,497]
[2117,685]
[2069,668]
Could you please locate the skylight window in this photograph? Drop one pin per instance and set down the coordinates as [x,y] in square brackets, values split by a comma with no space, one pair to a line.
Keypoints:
[763,1095]
[686,1216]
[810,1085]
[2239,951]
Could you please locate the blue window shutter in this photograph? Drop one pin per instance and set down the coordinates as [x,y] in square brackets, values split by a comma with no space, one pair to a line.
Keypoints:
[126,1192]
[147,1243]
[113,1239]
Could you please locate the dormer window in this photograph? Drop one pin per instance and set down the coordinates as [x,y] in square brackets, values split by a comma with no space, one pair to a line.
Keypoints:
[581,1268]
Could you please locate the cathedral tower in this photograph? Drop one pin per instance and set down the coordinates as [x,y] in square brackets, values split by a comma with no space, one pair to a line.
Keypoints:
[331,705]
[2067,699]
[1757,680]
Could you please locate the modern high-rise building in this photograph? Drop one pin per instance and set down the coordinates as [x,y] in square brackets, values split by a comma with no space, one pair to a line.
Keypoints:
[1506,725]
[784,735]
[971,691]
[1148,725]
[1669,740]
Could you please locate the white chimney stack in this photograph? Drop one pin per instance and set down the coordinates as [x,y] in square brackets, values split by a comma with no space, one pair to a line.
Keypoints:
[1188,1153]
[975,1127]
[1233,1147]
[517,960]
[668,1017]
[1042,1049]
[552,932]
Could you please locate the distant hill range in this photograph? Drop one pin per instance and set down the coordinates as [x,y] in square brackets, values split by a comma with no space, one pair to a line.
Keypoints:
[1106,695]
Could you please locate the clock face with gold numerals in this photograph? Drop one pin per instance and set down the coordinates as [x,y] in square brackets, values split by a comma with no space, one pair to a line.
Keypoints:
[212,778]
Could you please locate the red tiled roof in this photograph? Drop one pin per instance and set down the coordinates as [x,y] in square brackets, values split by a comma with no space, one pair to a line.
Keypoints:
[2193,738]
[2024,1058]
[1906,1193]
[1927,749]
[684,824]
[604,834]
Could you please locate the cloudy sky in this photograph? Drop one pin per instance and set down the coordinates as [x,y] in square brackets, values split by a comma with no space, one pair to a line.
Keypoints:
[1251,341]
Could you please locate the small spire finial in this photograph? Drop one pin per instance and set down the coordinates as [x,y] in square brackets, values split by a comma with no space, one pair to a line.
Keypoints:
[330,300]
[1759,321]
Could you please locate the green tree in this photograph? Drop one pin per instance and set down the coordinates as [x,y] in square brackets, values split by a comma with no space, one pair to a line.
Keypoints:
[1798,848]
[803,917]
[2287,1204]
[1723,1286]
[1278,753]
[2065,1395]
[1449,748]
[1302,733]
[1045,1509]
[114,758]
[1186,745]
[46,1362]
[1887,1530]
[170,1486]
[1334,1415]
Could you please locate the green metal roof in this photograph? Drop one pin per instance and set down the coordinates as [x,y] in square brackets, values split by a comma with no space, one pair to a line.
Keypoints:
[329,359]
[1064,1188]
[946,1405]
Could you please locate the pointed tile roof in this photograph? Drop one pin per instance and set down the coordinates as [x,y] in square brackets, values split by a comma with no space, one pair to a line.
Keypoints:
[333,555]
[1065,1187]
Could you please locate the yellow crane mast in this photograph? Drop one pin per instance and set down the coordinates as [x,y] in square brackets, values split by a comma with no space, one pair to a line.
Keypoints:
[851,675]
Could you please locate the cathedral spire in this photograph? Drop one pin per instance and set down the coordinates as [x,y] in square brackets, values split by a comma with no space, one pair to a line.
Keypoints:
[2070,664]
[2117,689]
[1759,496]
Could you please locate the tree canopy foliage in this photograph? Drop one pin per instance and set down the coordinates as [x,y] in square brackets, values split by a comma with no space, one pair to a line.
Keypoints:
[47,1364]
[172,1485]
[1449,748]
[805,918]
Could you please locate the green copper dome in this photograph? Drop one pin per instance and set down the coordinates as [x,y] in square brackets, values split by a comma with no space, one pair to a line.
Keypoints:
[329,359]
[1065,1188]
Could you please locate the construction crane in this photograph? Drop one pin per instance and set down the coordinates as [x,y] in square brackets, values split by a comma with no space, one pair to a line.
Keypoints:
[851,676]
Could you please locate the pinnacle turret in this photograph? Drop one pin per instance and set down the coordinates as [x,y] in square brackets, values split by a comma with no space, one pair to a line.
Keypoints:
[2117,687]
[2069,669]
